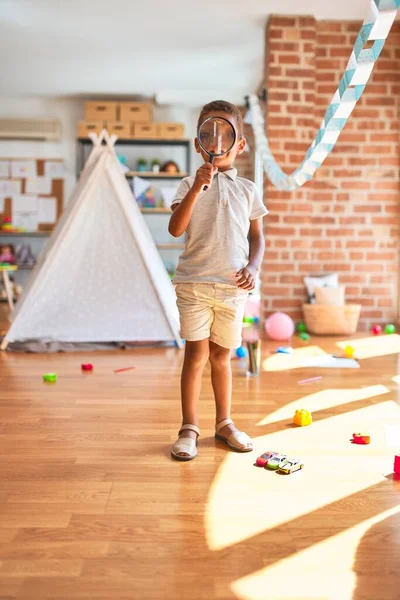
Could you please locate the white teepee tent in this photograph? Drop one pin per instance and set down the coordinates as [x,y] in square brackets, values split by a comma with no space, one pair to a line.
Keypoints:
[100,277]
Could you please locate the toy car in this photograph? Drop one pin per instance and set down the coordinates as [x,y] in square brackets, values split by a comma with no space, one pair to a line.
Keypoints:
[264,458]
[276,461]
[290,465]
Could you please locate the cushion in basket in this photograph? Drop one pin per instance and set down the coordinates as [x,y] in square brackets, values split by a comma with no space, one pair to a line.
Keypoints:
[330,295]
[311,283]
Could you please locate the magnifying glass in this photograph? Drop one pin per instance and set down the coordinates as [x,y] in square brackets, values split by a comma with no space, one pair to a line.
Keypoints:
[216,137]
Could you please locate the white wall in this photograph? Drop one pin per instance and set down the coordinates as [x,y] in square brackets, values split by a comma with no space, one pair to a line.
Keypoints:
[69,112]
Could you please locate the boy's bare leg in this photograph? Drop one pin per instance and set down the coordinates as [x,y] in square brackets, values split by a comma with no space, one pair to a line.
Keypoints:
[221,378]
[196,356]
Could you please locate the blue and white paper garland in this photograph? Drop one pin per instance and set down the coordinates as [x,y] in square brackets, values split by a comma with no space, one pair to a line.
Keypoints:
[376,28]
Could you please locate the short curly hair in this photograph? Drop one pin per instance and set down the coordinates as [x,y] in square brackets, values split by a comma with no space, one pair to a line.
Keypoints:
[222,106]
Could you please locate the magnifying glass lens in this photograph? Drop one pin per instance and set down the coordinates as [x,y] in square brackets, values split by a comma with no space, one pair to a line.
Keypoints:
[216,136]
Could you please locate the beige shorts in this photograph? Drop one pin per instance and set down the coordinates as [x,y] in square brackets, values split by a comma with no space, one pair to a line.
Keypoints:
[211,310]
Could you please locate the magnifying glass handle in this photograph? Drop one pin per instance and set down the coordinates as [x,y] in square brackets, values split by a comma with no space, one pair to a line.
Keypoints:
[211,161]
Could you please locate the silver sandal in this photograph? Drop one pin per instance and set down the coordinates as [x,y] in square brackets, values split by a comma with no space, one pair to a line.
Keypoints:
[185,445]
[238,440]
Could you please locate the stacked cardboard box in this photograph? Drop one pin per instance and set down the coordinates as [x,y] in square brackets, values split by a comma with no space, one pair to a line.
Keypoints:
[127,120]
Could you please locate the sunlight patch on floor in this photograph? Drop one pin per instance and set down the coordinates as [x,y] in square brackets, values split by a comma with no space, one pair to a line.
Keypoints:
[295,577]
[245,501]
[285,362]
[369,347]
[322,400]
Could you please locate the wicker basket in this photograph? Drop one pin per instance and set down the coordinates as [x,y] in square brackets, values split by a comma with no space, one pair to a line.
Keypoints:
[322,319]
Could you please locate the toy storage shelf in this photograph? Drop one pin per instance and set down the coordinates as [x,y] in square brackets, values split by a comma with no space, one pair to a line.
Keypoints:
[155,211]
[25,233]
[85,143]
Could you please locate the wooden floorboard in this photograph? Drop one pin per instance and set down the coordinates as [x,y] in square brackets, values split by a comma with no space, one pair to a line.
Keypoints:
[93,507]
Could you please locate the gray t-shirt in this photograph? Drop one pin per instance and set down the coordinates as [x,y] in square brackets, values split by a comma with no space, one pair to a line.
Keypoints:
[217,243]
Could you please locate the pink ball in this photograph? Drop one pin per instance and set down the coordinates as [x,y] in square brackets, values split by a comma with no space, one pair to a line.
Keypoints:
[376,330]
[279,327]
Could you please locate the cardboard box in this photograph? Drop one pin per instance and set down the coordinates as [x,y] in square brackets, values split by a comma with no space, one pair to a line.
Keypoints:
[101,111]
[86,127]
[171,131]
[136,112]
[145,131]
[122,130]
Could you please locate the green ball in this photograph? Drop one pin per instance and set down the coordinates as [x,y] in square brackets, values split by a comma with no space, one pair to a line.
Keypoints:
[304,336]
[301,327]
[390,328]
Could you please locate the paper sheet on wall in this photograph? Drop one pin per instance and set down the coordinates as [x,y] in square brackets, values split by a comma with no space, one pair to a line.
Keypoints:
[22,169]
[330,362]
[38,185]
[23,203]
[47,210]
[168,194]
[25,212]
[4,168]
[54,169]
[9,188]
[27,221]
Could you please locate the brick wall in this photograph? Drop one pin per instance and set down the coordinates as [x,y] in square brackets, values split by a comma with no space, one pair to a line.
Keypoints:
[346,219]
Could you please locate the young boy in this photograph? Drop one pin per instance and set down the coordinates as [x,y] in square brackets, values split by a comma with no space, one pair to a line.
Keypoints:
[218,268]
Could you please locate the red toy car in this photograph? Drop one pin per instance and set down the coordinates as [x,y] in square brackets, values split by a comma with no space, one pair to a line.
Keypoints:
[361,438]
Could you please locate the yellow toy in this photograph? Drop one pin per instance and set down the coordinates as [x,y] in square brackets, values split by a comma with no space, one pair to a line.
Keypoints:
[349,351]
[302,417]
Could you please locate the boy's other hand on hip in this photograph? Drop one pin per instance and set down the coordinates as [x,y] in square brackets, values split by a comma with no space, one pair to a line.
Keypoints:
[246,278]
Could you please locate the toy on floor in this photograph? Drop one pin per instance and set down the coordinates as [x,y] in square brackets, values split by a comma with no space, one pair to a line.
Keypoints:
[124,369]
[279,327]
[87,367]
[390,328]
[50,377]
[302,418]
[376,330]
[361,439]
[349,351]
[291,465]
[301,327]
[285,350]
[310,380]
[304,336]
[276,461]
[241,352]
[396,467]
[264,458]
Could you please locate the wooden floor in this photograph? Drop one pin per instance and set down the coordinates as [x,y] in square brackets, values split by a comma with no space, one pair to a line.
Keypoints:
[93,507]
